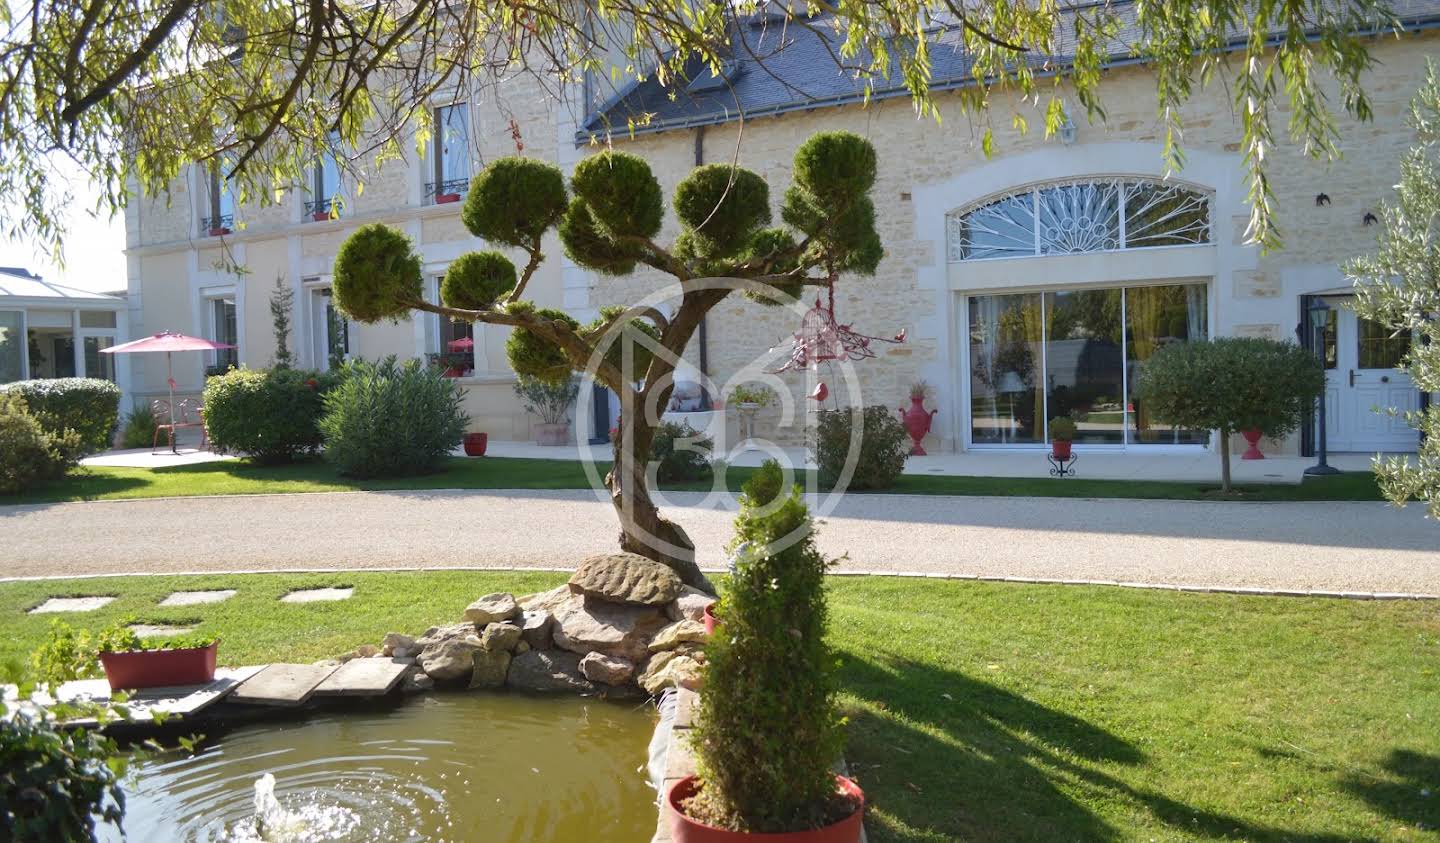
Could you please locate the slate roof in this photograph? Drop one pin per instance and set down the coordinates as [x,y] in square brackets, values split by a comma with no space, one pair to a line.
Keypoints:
[777,69]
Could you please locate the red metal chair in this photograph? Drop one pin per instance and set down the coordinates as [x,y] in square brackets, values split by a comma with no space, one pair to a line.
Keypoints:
[188,413]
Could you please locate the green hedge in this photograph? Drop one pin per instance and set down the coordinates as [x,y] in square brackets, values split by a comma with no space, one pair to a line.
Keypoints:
[30,456]
[391,419]
[88,406]
[270,415]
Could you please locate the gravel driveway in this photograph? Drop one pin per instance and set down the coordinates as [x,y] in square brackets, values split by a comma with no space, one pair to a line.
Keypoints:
[1321,546]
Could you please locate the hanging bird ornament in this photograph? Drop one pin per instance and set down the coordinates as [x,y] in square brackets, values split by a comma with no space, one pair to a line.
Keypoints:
[822,339]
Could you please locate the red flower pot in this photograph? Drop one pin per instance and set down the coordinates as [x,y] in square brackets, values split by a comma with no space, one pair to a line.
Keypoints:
[1252,436]
[159,668]
[1060,448]
[917,422]
[446,198]
[219,232]
[708,618]
[320,216]
[685,830]
[475,444]
[454,372]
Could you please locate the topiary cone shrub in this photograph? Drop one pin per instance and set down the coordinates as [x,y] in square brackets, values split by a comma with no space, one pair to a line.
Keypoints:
[768,729]
[1231,384]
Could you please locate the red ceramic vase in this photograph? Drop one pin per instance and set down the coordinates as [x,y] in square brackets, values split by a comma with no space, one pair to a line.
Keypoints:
[709,619]
[917,422]
[685,830]
[1252,436]
[1060,448]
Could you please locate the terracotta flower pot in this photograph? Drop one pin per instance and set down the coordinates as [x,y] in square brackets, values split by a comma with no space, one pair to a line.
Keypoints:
[475,444]
[685,830]
[159,668]
[552,434]
[708,618]
[219,231]
[320,216]
[1060,448]
[1252,436]
[446,198]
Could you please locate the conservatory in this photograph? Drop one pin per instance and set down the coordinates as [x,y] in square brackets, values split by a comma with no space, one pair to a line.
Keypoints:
[49,330]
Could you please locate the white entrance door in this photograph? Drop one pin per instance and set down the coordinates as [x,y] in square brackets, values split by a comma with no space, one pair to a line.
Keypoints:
[1361,382]
[329,329]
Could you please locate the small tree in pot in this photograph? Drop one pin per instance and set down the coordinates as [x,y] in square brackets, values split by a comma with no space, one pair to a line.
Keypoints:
[768,728]
[1231,384]
[1062,434]
[551,402]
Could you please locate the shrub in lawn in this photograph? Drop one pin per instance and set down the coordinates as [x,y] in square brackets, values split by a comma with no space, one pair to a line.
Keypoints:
[883,446]
[88,406]
[270,415]
[1230,384]
[768,729]
[139,428]
[391,419]
[680,454]
[30,455]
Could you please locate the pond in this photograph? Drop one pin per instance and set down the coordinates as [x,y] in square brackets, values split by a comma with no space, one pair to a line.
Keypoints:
[460,767]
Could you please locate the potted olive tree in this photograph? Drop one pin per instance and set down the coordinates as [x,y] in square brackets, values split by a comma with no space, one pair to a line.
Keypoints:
[768,728]
[1231,384]
[551,402]
[1062,434]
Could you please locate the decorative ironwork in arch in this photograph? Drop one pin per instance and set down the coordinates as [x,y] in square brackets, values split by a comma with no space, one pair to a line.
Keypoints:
[1093,215]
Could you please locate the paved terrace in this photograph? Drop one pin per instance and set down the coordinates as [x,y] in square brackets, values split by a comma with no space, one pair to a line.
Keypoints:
[1369,547]
[1198,466]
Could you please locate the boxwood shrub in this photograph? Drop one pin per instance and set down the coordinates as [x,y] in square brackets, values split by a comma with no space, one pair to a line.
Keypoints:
[270,415]
[30,455]
[390,419]
[88,406]
[883,447]
[687,464]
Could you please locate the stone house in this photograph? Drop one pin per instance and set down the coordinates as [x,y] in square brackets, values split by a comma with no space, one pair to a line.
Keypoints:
[1031,283]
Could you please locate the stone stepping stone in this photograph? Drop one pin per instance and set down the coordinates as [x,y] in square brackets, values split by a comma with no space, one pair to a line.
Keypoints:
[195,598]
[363,678]
[317,595]
[70,604]
[152,630]
[281,684]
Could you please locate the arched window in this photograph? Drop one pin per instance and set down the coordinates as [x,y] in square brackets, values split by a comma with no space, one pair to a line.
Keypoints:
[1082,216]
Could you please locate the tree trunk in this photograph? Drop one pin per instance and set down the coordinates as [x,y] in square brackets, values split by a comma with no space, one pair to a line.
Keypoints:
[642,529]
[1225,461]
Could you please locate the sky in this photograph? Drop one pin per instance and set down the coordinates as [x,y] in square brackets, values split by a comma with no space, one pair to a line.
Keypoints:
[94,248]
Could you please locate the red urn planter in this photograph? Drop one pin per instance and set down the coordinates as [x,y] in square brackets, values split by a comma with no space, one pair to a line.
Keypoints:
[159,668]
[454,372]
[219,232]
[475,444]
[320,216]
[1060,448]
[917,421]
[1252,436]
[685,830]
[446,198]
[708,618]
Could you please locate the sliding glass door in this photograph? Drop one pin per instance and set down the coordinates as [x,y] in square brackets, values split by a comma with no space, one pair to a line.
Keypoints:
[1075,353]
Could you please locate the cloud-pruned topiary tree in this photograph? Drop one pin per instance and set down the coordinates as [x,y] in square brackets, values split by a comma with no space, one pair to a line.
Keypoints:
[1231,384]
[607,222]
[1399,287]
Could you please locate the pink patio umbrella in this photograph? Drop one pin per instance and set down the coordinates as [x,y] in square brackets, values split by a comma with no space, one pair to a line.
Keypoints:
[168,342]
[462,344]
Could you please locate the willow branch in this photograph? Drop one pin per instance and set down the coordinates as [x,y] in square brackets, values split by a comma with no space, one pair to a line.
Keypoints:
[152,41]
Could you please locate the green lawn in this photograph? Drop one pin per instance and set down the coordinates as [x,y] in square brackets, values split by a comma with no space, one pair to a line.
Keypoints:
[1001,712]
[239,477]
